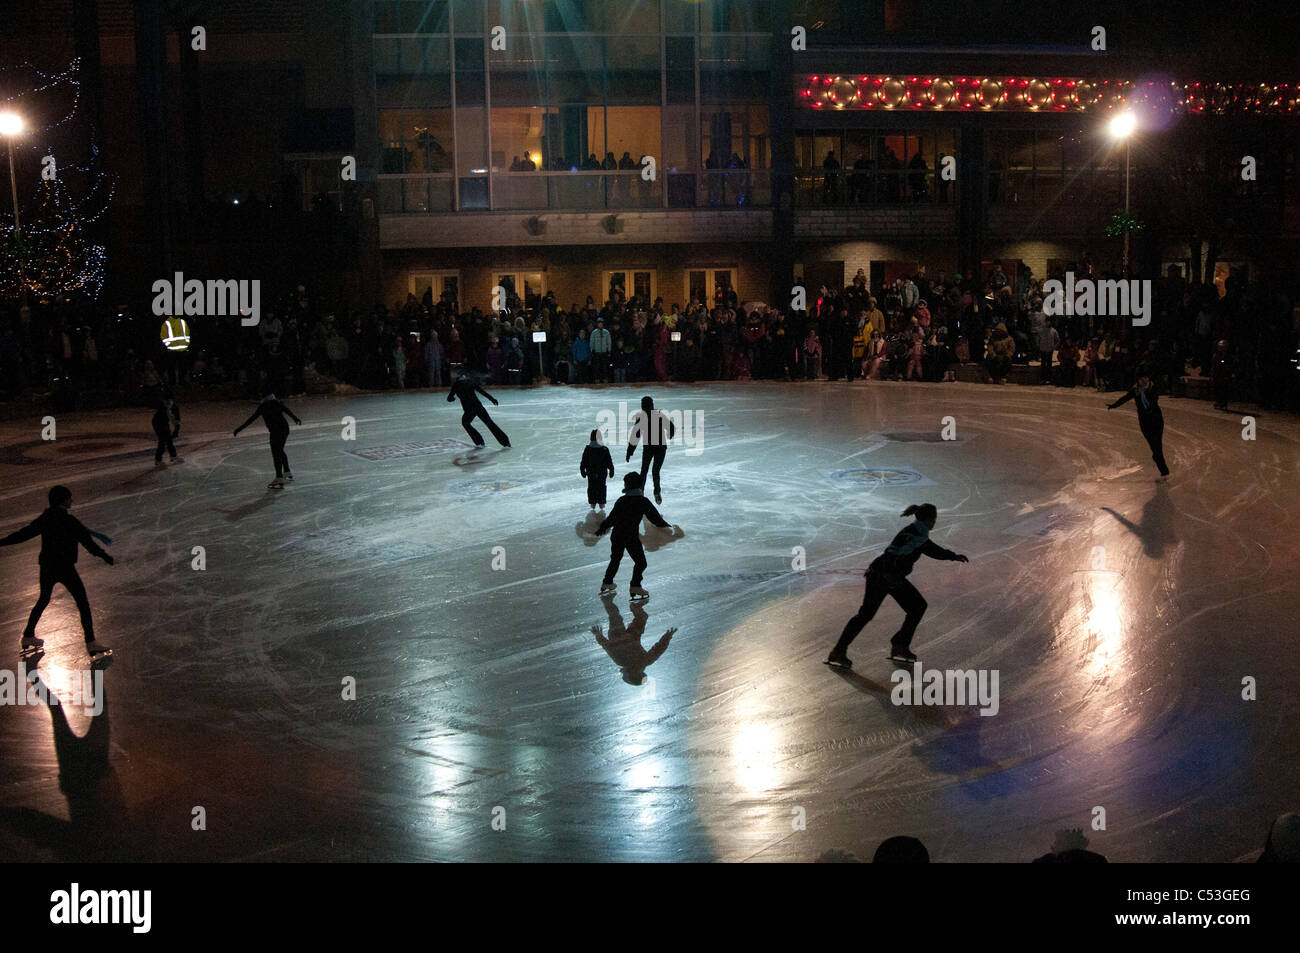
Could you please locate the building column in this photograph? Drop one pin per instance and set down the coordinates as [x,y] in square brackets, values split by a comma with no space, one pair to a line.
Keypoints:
[781,125]
[972,197]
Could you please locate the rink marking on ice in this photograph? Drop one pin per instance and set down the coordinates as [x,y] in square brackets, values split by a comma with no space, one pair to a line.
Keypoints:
[549,575]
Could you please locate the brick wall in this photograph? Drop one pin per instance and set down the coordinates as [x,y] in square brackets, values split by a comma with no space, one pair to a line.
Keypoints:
[890,221]
[488,229]
[575,271]
[935,254]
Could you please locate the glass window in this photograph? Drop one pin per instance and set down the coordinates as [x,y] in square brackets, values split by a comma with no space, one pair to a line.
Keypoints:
[467,16]
[575,69]
[697,286]
[471,139]
[740,132]
[518,134]
[632,74]
[438,283]
[386,16]
[631,129]
[518,74]
[681,151]
[680,65]
[469,55]
[386,59]
[679,16]
[638,16]
[639,282]
[723,16]
[429,17]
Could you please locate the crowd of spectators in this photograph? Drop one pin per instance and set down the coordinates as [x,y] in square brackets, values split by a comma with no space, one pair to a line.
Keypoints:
[915,327]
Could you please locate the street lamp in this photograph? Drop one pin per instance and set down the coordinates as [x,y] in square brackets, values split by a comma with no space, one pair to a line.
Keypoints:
[1121,127]
[11,126]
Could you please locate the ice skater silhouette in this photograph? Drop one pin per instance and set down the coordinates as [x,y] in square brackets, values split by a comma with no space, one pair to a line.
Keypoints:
[1150,420]
[887,576]
[467,389]
[652,429]
[623,645]
[272,413]
[61,533]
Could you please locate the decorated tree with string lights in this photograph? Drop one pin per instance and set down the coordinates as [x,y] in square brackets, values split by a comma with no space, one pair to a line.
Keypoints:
[54,253]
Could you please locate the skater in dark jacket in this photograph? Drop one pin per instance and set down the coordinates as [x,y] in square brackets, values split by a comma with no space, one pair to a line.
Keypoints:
[166,427]
[596,465]
[467,389]
[887,576]
[625,520]
[273,413]
[1150,419]
[61,533]
[652,429]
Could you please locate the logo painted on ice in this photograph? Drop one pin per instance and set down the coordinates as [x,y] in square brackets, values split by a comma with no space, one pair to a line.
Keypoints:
[1132,298]
[688,426]
[196,298]
[878,476]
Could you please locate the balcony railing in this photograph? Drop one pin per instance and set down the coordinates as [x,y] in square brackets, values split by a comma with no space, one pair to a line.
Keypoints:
[816,187]
[580,190]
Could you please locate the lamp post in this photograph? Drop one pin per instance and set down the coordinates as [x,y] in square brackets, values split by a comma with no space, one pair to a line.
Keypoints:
[11,126]
[1121,127]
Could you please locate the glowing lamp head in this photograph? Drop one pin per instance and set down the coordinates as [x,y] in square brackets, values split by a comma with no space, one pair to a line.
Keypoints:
[11,124]
[1122,126]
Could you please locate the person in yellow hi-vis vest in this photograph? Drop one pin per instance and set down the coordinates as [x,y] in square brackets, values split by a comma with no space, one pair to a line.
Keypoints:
[175,334]
[859,351]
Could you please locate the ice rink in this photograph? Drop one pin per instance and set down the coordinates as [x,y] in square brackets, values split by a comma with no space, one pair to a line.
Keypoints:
[1120,614]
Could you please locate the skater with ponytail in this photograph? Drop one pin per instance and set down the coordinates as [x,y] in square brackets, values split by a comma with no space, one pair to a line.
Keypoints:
[887,576]
[272,413]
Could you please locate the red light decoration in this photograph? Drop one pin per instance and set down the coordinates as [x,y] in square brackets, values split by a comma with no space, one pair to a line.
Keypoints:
[1030,94]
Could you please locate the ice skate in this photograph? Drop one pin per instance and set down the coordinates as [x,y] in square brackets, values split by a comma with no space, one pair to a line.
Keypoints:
[638,594]
[98,651]
[276,484]
[32,648]
[608,589]
[838,660]
[178,459]
[658,497]
[288,476]
[159,464]
[902,655]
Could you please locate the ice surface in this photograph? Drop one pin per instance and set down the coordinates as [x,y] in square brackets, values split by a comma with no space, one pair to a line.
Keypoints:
[1121,615]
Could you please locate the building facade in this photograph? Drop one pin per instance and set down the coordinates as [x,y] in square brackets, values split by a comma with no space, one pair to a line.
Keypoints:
[676,149]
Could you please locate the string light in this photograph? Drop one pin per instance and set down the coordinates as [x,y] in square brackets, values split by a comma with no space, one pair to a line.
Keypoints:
[1027,94]
[58,258]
